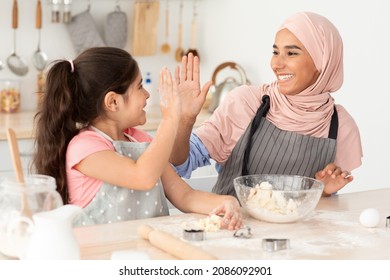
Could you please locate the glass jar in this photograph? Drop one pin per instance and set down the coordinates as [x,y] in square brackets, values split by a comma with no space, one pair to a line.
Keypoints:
[9,96]
[37,194]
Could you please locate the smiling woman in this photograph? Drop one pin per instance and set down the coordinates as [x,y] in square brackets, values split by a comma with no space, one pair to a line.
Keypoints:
[291,126]
[292,64]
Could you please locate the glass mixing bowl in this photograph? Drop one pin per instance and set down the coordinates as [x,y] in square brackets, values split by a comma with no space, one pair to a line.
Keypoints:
[278,198]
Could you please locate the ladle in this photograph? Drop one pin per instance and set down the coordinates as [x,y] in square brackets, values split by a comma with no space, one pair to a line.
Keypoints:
[39,57]
[180,51]
[14,62]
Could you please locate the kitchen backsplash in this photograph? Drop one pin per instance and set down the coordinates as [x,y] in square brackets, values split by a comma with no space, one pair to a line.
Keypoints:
[108,22]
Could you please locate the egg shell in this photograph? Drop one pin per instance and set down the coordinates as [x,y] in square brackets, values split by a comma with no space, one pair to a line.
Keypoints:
[369,217]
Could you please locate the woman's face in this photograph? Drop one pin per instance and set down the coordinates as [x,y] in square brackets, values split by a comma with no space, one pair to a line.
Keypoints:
[292,64]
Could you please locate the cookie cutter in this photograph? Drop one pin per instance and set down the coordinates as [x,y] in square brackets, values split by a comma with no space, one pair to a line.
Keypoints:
[388,222]
[194,234]
[275,244]
[243,233]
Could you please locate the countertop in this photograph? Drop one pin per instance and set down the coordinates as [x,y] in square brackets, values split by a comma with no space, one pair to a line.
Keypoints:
[22,122]
[332,232]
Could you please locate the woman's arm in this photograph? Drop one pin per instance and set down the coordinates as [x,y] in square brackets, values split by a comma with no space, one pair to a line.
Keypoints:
[192,99]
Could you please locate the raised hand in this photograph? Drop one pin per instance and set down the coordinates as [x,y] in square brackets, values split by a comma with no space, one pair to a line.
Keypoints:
[169,97]
[188,80]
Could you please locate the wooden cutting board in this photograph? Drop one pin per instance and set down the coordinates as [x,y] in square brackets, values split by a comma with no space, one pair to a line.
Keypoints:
[146,15]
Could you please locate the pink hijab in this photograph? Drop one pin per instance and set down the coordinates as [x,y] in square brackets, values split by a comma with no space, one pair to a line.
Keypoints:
[308,112]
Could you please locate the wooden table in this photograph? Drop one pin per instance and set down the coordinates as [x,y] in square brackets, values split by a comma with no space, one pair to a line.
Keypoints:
[332,232]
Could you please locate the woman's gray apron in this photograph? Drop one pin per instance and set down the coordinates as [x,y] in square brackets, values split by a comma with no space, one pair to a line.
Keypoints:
[266,149]
[114,204]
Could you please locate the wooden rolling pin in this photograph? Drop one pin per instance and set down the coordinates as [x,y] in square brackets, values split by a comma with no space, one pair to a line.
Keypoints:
[172,245]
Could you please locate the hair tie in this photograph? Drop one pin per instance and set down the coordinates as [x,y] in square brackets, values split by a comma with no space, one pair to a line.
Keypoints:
[71,66]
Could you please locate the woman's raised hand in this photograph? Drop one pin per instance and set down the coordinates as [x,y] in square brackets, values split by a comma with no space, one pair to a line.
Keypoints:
[188,80]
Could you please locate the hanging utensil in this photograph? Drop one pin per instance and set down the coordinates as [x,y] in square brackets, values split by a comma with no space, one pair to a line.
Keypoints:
[166,48]
[14,62]
[1,65]
[145,23]
[39,57]
[180,51]
[192,48]
[115,28]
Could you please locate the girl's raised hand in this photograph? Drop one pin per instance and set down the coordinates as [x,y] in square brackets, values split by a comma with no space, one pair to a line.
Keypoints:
[169,97]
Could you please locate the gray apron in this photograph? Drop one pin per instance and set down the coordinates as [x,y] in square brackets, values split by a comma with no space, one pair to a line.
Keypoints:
[266,149]
[115,204]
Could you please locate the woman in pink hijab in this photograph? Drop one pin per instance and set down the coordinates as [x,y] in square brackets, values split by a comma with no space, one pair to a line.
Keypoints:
[291,126]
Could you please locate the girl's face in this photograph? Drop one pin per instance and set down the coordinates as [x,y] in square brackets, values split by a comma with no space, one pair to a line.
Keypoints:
[292,64]
[135,102]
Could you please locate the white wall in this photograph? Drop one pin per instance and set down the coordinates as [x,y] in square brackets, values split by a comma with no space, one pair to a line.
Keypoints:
[243,31]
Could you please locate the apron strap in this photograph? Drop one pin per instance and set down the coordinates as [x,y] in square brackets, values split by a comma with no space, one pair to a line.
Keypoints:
[261,112]
[334,125]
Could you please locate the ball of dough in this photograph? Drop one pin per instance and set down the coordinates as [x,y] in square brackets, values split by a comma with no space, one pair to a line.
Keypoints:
[369,217]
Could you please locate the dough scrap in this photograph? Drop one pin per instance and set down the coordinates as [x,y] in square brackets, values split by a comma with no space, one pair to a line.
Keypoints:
[211,223]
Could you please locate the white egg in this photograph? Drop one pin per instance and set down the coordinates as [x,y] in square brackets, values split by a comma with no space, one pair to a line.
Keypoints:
[369,217]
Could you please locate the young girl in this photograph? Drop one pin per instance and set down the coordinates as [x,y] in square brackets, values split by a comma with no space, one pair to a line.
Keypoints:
[86,139]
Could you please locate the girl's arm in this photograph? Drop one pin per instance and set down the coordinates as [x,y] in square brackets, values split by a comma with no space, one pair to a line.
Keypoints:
[186,199]
[143,173]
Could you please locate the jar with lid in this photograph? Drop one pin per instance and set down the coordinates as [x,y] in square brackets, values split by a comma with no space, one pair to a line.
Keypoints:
[9,95]
[37,194]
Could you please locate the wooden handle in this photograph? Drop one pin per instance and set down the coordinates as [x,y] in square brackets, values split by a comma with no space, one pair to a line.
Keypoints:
[38,18]
[13,146]
[172,245]
[166,23]
[180,35]
[15,15]
[193,35]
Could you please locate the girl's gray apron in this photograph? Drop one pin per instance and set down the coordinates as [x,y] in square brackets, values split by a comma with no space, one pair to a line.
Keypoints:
[265,149]
[114,204]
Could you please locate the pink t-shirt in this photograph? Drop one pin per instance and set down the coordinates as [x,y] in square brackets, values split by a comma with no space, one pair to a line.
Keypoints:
[82,189]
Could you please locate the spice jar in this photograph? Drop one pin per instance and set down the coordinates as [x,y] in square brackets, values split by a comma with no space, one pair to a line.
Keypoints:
[9,96]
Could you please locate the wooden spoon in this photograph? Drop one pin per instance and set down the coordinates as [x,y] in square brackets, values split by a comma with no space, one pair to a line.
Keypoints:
[13,145]
[192,48]
[166,48]
[180,51]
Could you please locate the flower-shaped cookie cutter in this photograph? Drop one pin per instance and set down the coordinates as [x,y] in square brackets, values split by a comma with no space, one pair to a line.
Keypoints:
[244,232]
